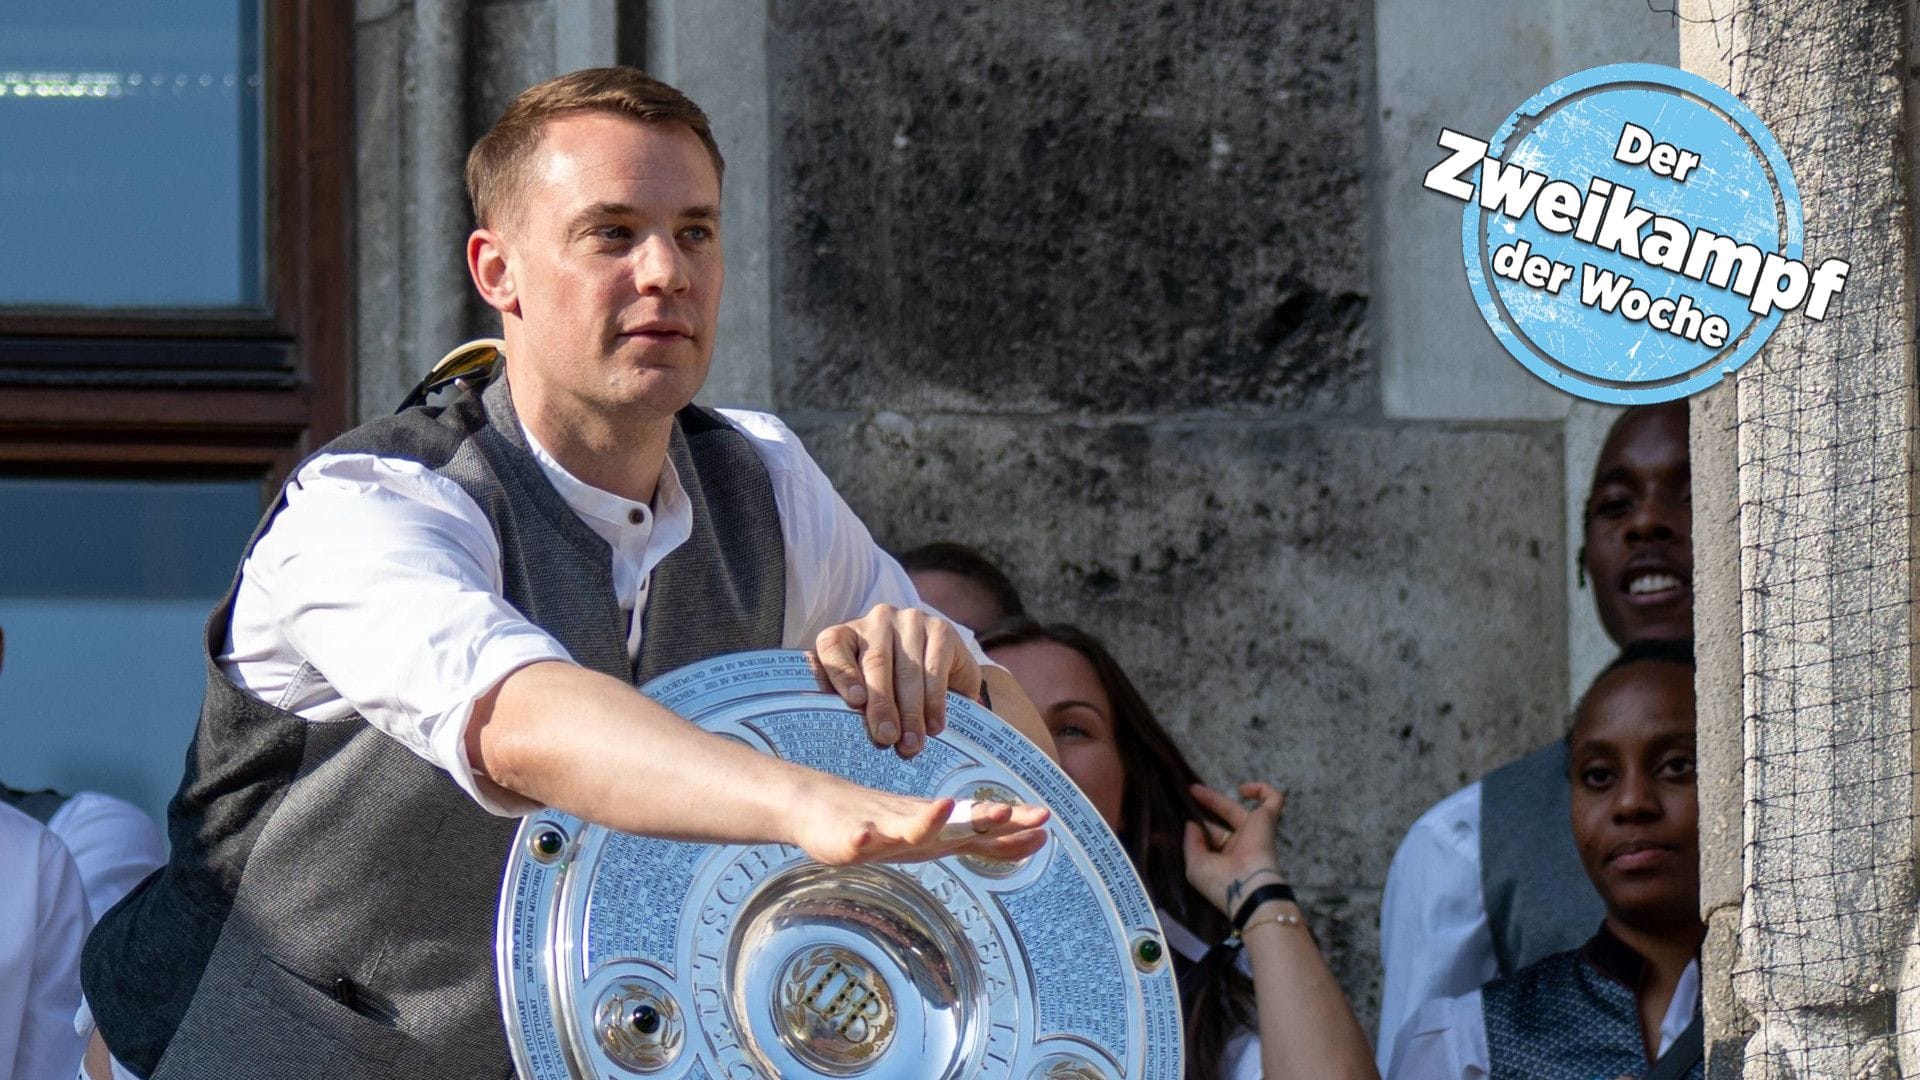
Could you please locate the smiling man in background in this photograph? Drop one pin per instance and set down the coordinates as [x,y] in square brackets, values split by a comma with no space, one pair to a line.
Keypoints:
[1488,881]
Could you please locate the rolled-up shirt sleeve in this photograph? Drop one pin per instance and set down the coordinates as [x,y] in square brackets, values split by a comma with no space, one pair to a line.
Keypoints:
[378,590]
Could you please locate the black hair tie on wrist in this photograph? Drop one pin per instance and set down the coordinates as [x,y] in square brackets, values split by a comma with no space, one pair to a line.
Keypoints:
[1270,891]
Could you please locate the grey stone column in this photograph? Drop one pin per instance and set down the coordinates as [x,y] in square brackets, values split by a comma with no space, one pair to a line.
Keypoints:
[430,75]
[1808,468]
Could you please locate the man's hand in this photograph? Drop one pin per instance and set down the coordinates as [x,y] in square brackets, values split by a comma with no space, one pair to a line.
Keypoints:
[896,665]
[851,824]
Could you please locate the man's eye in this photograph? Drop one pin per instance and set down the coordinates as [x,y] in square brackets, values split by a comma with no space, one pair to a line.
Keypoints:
[611,233]
[1595,776]
[697,234]
[1609,508]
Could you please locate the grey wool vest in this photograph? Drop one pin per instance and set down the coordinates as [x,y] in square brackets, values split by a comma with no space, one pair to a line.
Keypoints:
[1572,1016]
[329,906]
[1539,901]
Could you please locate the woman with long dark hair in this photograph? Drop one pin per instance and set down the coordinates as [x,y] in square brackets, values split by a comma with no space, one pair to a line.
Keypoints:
[1208,862]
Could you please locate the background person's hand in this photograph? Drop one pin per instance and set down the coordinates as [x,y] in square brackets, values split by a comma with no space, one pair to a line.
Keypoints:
[844,823]
[1224,865]
[896,665]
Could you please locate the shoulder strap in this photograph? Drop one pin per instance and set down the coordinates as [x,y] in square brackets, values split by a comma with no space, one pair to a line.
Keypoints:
[1688,1048]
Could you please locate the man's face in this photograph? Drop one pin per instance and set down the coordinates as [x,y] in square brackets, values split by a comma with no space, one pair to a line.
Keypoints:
[1639,533]
[1635,812]
[613,267]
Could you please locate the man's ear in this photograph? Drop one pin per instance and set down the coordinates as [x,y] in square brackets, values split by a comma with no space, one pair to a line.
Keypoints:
[492,271]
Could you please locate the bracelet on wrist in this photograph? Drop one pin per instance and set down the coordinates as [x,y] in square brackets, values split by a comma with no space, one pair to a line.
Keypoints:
[1271,891]
[1283,919]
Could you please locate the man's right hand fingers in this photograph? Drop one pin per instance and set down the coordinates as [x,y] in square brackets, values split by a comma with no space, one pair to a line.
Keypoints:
[883,715]
[837,658]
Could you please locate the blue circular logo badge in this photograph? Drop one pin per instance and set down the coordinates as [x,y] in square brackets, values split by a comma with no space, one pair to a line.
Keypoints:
[1634,233]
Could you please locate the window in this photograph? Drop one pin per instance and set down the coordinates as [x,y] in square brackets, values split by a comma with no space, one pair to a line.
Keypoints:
[174,290]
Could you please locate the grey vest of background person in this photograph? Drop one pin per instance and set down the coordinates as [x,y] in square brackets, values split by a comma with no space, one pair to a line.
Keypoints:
[329,907]
[1539,901]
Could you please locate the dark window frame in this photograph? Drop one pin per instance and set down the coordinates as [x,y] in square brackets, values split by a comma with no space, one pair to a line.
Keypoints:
[249,391]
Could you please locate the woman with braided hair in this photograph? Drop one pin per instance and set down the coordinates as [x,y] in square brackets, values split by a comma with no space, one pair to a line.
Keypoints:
[1259,999]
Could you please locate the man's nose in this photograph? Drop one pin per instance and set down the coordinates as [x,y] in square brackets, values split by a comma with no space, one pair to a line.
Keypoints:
[659,265]
[1658,517]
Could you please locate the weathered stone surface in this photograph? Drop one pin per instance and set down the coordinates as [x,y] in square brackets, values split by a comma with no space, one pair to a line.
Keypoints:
[1824,448]
[1344,609]
[1346,922]
[1088,205]
[381,374]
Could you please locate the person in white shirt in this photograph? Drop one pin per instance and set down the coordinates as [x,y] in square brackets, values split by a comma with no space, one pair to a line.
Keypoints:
[1259,999]
[43,920]
[113,842]
[1442,933]
[392,667]
[1615,1005]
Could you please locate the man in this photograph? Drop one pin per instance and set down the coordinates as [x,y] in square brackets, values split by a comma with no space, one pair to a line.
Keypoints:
[443,624]
[1487,881]
[963,584]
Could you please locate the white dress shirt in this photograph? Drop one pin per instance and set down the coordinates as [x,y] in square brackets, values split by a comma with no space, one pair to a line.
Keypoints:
[1435,941]
[378,589]
[114,845]
[43,921]
[1447,1037]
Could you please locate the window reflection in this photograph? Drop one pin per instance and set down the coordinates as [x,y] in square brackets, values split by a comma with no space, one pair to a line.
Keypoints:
[133,168]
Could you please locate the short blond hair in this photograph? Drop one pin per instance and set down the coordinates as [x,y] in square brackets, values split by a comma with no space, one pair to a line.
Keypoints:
[497,165]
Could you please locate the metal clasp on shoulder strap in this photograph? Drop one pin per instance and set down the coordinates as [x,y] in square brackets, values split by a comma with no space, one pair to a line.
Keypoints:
[475,362]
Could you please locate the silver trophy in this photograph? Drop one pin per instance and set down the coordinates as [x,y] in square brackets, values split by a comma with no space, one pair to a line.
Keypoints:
[625,956]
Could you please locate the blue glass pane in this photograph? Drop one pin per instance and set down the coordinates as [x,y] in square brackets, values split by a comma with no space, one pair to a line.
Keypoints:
[104,589]
[130,157]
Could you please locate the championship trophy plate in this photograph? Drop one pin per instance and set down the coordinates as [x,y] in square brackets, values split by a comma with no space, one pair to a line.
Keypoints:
[624,956]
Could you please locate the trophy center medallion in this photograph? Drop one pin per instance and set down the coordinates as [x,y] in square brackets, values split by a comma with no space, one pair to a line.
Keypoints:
[836,1009]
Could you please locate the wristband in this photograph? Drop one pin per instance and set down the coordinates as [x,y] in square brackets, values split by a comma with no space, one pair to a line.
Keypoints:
[1272,891]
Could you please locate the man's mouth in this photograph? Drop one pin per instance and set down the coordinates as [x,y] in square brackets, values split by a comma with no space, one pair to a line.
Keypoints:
[1654,584]
[1643,584]
[658,330]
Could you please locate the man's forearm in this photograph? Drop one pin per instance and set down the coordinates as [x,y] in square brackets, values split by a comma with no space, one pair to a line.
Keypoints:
[592,746]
